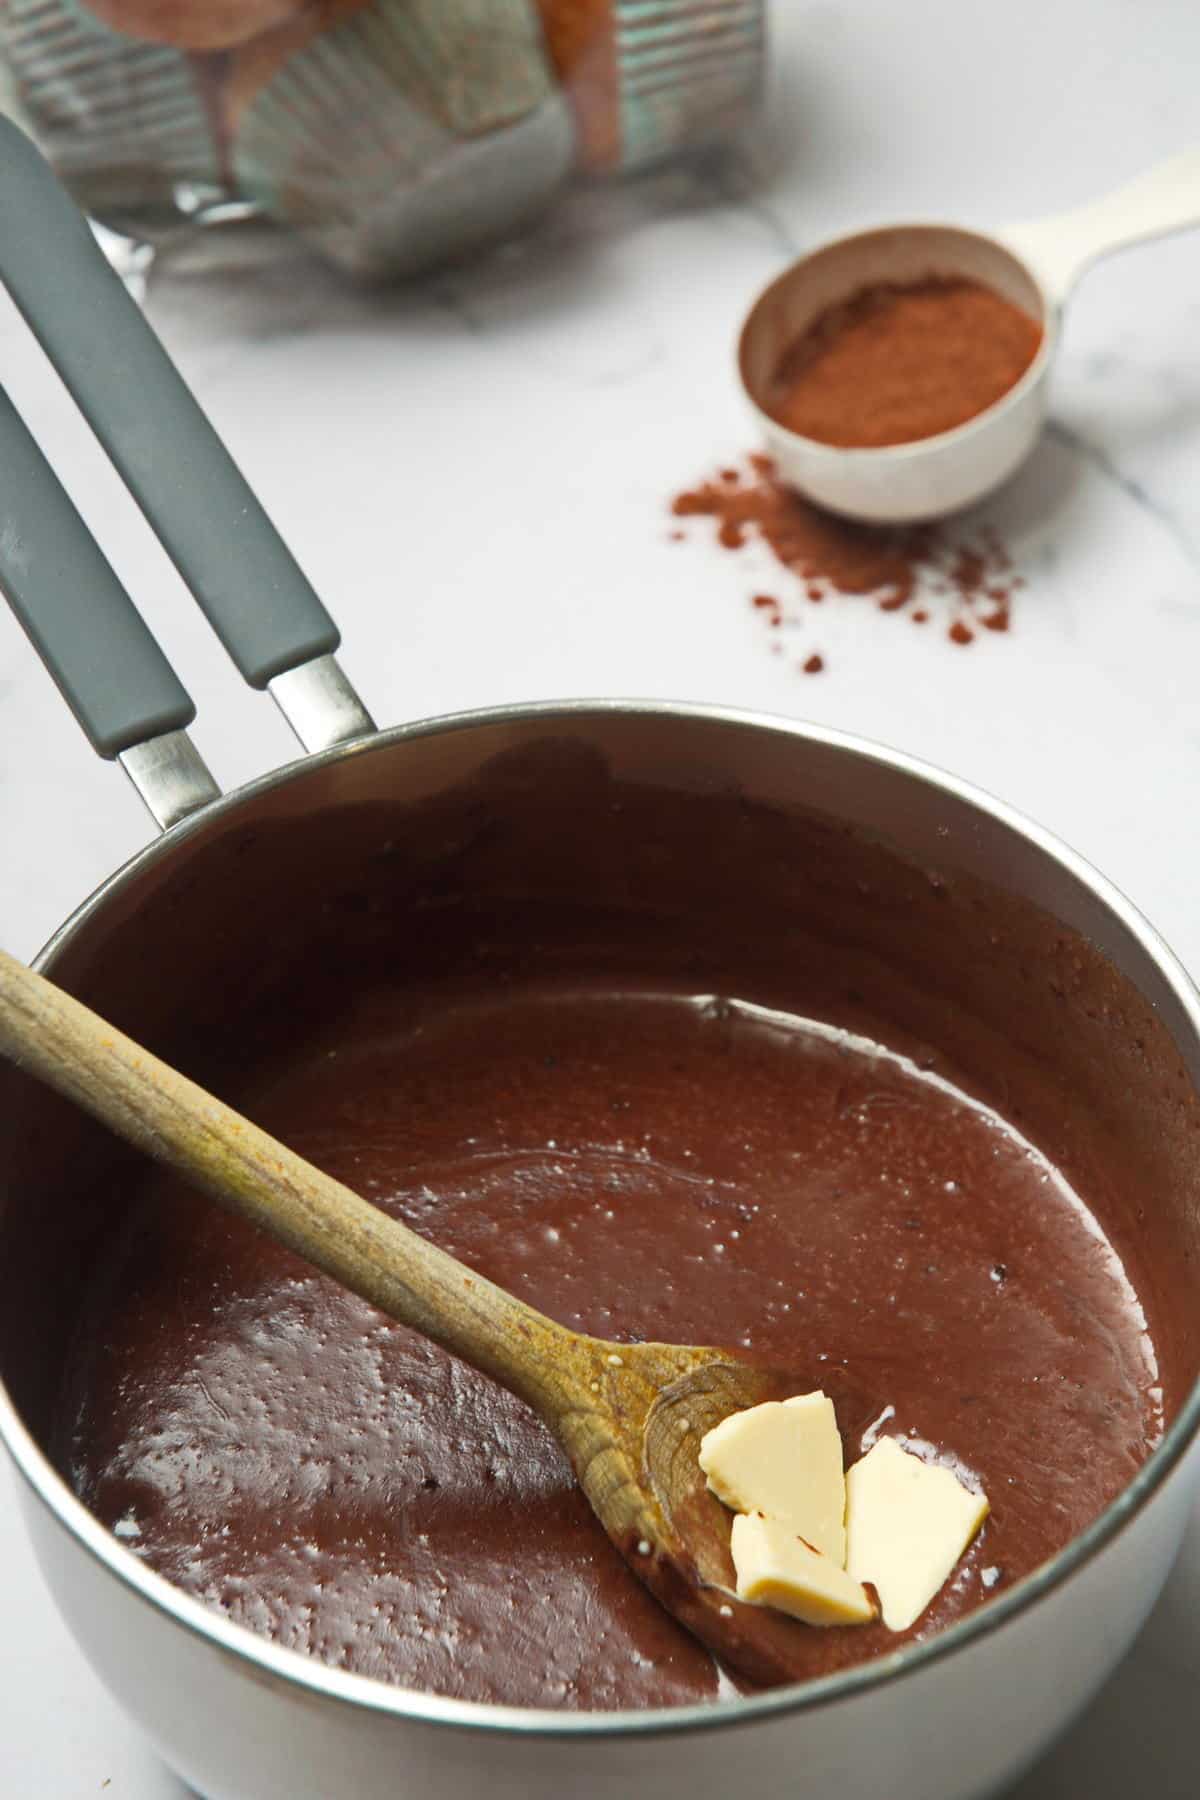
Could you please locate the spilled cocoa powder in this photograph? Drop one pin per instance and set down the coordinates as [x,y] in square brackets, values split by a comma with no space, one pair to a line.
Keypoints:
[895,566]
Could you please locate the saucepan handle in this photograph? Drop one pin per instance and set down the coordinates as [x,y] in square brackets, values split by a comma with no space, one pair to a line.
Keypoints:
[244,577]
[88,632]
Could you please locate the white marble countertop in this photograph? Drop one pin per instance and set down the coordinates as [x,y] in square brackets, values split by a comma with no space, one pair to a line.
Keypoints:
[475,472]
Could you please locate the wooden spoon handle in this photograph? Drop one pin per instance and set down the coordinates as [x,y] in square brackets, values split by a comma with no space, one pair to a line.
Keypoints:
[70,1048]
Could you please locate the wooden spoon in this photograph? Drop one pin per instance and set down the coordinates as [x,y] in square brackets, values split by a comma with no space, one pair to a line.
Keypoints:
[629,1416]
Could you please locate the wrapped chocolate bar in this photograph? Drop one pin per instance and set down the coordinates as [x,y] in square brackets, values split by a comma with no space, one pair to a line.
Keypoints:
[392,134]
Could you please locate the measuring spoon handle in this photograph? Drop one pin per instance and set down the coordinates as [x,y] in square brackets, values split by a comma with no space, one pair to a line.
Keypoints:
[1058,249]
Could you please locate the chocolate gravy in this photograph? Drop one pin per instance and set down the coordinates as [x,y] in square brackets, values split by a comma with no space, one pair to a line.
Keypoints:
[638,1159]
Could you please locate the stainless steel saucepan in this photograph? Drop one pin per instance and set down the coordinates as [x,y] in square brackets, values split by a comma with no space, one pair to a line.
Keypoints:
[972,925]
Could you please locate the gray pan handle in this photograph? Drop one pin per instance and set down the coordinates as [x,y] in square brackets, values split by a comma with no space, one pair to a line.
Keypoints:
[65,594]
[89,634]
[243,575]
[83,624]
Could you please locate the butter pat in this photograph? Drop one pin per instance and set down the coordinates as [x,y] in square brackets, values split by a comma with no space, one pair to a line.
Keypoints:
[907,1524]
[777,1568]
[784,1459]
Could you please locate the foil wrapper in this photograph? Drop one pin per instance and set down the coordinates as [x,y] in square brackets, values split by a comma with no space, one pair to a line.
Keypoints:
[393,135]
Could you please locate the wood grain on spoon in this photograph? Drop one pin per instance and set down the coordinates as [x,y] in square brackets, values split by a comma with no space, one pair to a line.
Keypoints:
[629,1416]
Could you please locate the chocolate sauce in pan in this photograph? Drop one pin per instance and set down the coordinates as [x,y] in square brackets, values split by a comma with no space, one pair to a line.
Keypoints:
[638,1164]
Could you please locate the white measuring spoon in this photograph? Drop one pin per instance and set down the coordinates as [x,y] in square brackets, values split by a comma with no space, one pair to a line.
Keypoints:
[1036,265]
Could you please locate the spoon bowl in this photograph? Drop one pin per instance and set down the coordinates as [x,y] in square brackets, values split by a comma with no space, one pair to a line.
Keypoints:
[1033,265]
[696,1583]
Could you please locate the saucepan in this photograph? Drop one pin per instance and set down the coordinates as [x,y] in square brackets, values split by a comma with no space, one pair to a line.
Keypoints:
[846,864]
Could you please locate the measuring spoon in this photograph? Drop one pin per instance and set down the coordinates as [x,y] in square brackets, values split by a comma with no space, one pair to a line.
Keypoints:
[1035,265]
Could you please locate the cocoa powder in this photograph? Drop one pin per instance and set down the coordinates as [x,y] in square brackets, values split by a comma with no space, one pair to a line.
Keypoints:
[972,575]
[893,364]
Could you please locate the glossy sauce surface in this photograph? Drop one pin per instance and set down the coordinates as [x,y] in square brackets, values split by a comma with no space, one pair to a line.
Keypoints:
[636,1164]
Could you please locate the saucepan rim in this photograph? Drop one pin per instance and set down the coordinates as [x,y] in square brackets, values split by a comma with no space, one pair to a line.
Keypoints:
[301,1671]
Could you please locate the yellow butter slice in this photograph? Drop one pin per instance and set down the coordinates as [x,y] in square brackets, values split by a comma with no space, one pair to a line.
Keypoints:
[783,1459]
[907,1524]
[777,1568]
